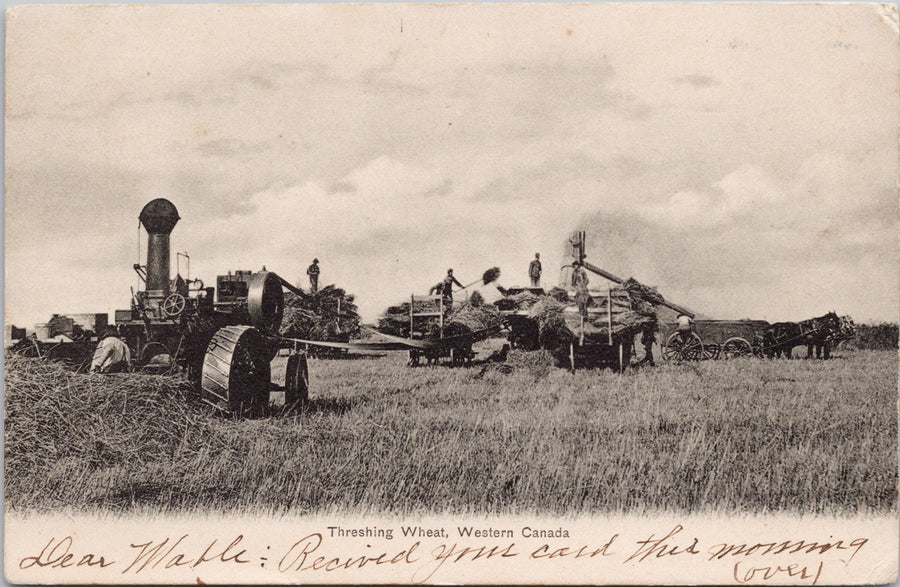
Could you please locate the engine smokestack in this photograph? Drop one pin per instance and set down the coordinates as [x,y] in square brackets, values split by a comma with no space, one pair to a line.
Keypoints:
[159,218]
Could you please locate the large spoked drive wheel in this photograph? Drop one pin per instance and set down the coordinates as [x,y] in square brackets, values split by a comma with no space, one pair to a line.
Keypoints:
[683,349]
[236,372]
[736,347]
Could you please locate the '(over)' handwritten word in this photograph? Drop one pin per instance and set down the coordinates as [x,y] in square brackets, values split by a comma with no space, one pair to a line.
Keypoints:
[778,573]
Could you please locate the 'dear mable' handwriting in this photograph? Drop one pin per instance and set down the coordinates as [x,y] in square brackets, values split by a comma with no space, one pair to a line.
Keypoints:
[781,560]
[57,555]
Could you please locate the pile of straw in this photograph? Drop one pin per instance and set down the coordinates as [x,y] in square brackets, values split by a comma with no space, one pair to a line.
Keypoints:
[526,299]
[520,301]
[58,422]
[553,332]
[327,315]
[395,320]
[468,317]
[474,317]
[644,298]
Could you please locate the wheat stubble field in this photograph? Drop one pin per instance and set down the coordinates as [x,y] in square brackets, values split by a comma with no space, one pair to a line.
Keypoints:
[712,437]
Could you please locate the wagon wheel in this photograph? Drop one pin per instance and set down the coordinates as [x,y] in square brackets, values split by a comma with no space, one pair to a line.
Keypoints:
[236,373]
[736,347]
[296,380]
[711,351]
[173,305]
[677,349]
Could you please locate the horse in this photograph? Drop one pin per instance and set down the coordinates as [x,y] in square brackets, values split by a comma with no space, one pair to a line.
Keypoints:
[779,339]
[820,334]
[845,330]
[782,337]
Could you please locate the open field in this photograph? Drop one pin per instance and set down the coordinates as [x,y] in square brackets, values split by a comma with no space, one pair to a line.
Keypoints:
[740,436]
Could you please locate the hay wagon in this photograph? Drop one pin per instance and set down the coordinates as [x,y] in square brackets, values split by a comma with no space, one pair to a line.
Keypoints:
[713,339]
[435,333]
[598,335]
[604,331]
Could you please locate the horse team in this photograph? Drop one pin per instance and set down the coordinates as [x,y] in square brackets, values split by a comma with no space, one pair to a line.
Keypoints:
[819,335]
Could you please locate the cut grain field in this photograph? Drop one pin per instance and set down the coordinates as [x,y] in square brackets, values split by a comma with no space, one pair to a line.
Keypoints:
[712,437]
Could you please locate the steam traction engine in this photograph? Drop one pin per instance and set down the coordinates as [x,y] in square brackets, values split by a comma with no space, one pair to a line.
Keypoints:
[224,338]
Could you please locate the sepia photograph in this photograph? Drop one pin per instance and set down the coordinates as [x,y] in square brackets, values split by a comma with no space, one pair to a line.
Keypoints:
[452,293]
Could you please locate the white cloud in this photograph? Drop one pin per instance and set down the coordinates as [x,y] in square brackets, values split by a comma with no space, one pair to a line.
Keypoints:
[461,142]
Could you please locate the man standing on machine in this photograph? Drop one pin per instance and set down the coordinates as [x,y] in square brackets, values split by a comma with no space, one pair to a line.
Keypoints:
[534,271]
[313,272]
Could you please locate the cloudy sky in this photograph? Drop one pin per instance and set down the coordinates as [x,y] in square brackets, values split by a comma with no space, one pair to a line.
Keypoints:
[742,158]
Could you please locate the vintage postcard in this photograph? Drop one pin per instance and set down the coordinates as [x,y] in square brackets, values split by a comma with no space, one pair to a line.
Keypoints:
[451,293]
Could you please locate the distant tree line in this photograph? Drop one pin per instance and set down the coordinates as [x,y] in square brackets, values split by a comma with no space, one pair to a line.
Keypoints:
[881,336]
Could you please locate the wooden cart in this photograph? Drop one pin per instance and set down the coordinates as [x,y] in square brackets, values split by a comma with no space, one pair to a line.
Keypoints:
[713,339]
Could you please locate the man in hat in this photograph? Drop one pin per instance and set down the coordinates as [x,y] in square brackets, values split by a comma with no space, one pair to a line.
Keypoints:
[685,327]
[447,290]
[534,271]
[112,354]
[313,272]
[580,285]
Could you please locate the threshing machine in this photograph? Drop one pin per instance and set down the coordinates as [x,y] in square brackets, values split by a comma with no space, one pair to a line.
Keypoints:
[225,337]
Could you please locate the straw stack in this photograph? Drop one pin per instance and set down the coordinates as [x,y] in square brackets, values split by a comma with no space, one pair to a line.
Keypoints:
[327,315]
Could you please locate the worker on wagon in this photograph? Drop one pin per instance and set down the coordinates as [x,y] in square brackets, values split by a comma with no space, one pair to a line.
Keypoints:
[580,284]
[313,272]
[436,289]
[685,327]
[534,271]
[112,354]
[447,290]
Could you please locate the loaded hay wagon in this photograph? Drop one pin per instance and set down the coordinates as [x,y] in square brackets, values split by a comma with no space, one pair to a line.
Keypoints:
[591,327]
[429,327]
[593,334]
[596,331]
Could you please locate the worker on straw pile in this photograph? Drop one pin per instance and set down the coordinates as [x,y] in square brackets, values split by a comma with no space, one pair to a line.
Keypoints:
[313,272]
[534,271]
[685,327]
[112,354]
[580,284]
[447,289]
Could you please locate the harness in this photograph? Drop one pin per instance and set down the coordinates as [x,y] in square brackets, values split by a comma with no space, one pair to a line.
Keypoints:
[807,327]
